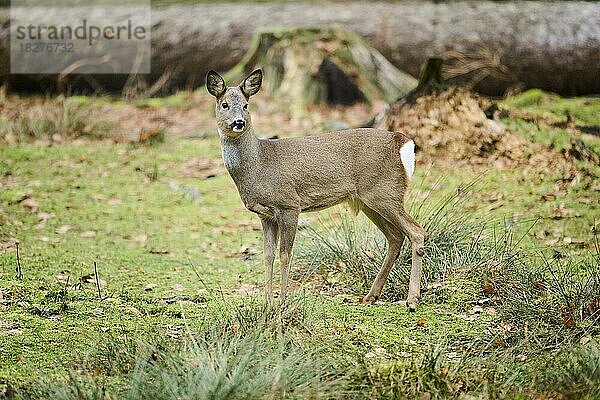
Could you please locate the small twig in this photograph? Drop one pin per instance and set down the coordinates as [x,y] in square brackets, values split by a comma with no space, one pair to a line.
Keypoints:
[19,269]
[97,281]
[64,293]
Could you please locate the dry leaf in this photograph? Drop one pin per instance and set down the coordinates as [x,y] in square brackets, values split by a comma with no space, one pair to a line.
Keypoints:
[46,239]
[568,315]
[42,218]
[159,251]
[584,340]
[61,230]
[560,212]
[569,320]
[15,331]
[593,306]
[202,168]
[236,227]
[178,287]
[91,279]
[150,135]
[114,202]
[476,310]
[488,288]
[88,234]
[8,243]
[575,242]
[247,253]
[434,285]
[548,196]
[149,287]
[247,289]
[140,239]
[29,204]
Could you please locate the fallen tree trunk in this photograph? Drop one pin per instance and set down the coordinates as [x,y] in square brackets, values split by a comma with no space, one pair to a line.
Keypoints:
[492,45]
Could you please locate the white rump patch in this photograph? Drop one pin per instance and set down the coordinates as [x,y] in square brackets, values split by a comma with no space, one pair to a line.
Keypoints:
[407,155]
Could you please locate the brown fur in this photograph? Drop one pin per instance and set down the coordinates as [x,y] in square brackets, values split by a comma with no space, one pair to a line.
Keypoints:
[278,179]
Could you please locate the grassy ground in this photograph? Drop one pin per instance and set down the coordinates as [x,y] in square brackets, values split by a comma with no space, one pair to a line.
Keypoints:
[511,307]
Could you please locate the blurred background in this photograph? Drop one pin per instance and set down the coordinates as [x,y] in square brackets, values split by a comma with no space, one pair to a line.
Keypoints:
[494,46]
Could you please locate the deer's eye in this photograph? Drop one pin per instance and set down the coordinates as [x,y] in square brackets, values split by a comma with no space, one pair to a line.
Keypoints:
[246,106]
[224,106]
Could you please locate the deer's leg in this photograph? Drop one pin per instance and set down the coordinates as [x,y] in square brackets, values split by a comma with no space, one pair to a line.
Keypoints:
[288,223]
[417,236]
[396,215]
[270,236]
[395,238]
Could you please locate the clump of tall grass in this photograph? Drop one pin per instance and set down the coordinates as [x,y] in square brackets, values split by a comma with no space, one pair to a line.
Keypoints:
[576,375]
[56,119]
[243,352]
[432,374]
[547,302]
[456,244]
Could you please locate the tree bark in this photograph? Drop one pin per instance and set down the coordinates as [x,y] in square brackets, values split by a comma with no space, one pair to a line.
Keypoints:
[492,45]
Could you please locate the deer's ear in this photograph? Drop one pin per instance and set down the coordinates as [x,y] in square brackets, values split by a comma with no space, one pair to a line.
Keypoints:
[215,84]
[251,84]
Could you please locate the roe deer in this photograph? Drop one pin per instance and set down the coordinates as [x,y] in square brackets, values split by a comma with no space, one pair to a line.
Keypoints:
[280,178]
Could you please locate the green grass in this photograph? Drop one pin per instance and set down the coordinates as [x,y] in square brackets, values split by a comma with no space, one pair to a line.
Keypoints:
[583,110]
[495,320]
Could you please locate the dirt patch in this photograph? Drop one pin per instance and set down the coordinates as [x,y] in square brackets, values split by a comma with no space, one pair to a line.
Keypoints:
[452,125]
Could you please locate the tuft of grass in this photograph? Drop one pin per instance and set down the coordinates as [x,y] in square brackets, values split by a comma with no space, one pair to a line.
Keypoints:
[547,303]
[579,376]
[456,245]
[56,119]
[409,378]
[238,354]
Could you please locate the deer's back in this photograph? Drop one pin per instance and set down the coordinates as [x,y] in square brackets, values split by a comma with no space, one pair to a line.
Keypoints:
[333,167]
[350,150]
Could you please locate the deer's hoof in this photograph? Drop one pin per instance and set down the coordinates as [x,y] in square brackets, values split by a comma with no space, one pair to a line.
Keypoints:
[368,299]
[411,305]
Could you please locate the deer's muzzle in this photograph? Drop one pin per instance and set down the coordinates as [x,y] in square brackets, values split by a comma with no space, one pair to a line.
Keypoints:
[238,125]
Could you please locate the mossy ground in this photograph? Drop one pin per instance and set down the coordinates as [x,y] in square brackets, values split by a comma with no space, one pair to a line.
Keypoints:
[128,208]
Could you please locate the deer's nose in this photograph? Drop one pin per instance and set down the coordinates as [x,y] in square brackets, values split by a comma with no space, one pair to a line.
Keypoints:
[238,125]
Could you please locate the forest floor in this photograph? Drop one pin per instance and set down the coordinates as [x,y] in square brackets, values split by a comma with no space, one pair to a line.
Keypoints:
[173,307]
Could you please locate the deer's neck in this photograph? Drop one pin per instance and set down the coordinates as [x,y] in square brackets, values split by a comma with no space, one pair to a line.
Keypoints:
[240,154]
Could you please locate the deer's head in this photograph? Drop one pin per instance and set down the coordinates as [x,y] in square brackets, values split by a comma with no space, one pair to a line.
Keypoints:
[233,116]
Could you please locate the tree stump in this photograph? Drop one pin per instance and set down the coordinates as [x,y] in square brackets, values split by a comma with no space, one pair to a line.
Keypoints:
[430,80]
[315,65]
